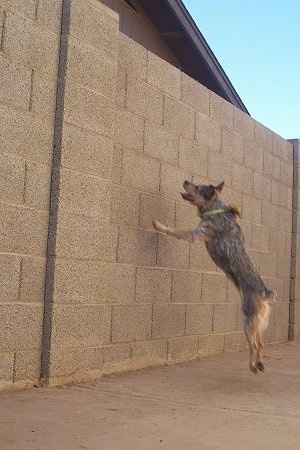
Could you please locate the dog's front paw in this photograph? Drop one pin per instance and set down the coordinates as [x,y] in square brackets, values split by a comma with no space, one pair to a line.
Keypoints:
[160,227]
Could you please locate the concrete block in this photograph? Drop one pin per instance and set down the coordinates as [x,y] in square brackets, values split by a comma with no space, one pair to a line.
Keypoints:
[251,209]
[86,151]
[277,241]
[129,130]
[232,145]
[161,144]
[172,253]
[282,148]
[214,288]
[240,320]
[95,25]
[49,14]
[194,94]
[131,323]
[124,206]
[260,239]
[116,358]
[220,110]
[132,57]
[168,321]
[225,317]
[149,353]
[12,179]
[179,118]
[281,313]
[163,76]
[211,344]
[121,88]
[144,100]
[153,285]
[199,319]
[233,295]
[186,216]
[269,214]
[193,157]
[171,181]
[242,178]
[88,109]
[83,238]
[268,264]
[271,165]
[32,45]
[154,207]
[286,289]
[235,341]
[32,281]
[116,169]
[121,280]
[15,83]
[219,168]
[136,246]
[253,156]
[80,281]
[10,269]
[276,334]
[21,326]
[140,172]
[199,258]
[183,348]
[22,230]
[262,135]
[27,365]
[25,135]
[286,173]
[6,366]
[285,221]
[262,187]
[80,326]
[186,286]
[24,7]
[91,68]
[283,266]
[76,362]
[243,124]
[43,96]
[280,193]
[37,185]
[84,194]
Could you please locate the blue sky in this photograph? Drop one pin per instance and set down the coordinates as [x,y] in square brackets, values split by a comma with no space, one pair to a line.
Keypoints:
[258,45]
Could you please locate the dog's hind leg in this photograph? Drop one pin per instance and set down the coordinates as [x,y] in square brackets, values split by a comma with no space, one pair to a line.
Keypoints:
[259,364]
[253,346]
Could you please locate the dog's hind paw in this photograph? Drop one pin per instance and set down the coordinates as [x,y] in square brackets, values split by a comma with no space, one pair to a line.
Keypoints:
[260,366]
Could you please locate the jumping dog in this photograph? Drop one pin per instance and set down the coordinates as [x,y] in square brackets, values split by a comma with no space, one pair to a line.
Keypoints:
[225,244]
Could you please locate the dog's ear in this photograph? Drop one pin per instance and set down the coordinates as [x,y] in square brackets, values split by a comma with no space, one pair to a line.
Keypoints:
[220,187]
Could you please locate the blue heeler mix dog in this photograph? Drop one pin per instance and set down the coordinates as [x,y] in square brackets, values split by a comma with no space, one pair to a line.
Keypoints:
[224,241]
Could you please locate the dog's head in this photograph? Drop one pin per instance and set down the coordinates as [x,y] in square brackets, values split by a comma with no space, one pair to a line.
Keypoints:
[200,195]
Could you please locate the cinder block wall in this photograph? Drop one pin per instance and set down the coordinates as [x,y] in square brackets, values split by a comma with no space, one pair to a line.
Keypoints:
[170,128]
[28,70]
[128,129]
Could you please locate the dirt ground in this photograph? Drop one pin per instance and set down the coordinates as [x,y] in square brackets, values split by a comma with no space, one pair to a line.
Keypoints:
[209,404]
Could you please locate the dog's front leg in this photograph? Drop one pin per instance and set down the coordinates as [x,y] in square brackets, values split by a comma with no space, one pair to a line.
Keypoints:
[202,232]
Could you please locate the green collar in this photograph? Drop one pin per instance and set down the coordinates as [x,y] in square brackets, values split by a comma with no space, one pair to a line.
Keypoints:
[212,212]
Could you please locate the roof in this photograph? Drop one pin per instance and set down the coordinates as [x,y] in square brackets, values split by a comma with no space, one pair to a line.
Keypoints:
[178,29]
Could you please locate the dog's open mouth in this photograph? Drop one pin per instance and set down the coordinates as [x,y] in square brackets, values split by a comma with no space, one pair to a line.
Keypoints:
[188,197]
